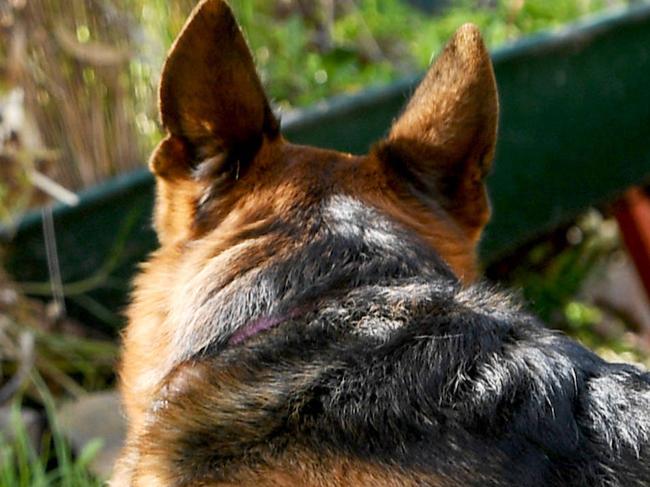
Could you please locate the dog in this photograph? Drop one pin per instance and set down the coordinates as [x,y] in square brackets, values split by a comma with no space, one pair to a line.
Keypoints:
[315,318]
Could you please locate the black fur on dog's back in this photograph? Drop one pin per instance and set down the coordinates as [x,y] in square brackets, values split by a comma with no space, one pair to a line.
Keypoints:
[382,356]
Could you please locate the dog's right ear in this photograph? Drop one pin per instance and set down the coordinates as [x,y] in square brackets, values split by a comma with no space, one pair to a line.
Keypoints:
[444,141]
[216,114]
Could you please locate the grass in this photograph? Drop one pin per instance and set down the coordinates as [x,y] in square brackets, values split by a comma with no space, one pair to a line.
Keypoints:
[52,464]
[37,363]
[70,362]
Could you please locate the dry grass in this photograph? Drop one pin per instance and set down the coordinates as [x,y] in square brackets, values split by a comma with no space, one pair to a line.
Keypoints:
[84,66]
[77,90]
[35,337]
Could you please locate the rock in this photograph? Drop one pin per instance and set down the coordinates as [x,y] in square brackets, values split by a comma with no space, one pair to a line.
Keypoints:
[94,416]
[32,422]
[618,288]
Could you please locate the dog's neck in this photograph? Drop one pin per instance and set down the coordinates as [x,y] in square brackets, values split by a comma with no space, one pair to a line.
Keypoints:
[344,245]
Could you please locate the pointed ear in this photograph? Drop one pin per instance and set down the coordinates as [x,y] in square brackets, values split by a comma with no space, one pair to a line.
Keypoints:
[210,94]
[216,114]
[444,141]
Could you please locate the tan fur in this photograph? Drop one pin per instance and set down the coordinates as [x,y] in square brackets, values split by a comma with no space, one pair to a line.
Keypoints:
[304,470]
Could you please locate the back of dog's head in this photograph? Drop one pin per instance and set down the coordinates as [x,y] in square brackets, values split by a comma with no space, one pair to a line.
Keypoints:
[249,222]
[224,167]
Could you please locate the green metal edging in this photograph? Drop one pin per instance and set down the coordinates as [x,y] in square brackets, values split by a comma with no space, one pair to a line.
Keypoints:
[92,196]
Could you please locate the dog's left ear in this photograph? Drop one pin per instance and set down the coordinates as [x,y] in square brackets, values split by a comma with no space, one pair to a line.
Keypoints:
[216,115]
[210,94]
[443,143]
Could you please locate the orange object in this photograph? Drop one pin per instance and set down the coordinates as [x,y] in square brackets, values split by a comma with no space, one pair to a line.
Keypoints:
[633,214]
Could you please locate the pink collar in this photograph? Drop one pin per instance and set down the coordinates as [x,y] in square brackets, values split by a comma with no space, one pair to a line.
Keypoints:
[254,327]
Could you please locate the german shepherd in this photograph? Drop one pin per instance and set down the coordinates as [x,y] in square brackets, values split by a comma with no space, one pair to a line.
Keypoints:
[311,317]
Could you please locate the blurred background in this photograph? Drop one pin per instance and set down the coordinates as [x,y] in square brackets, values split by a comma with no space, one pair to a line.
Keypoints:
[78,85]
